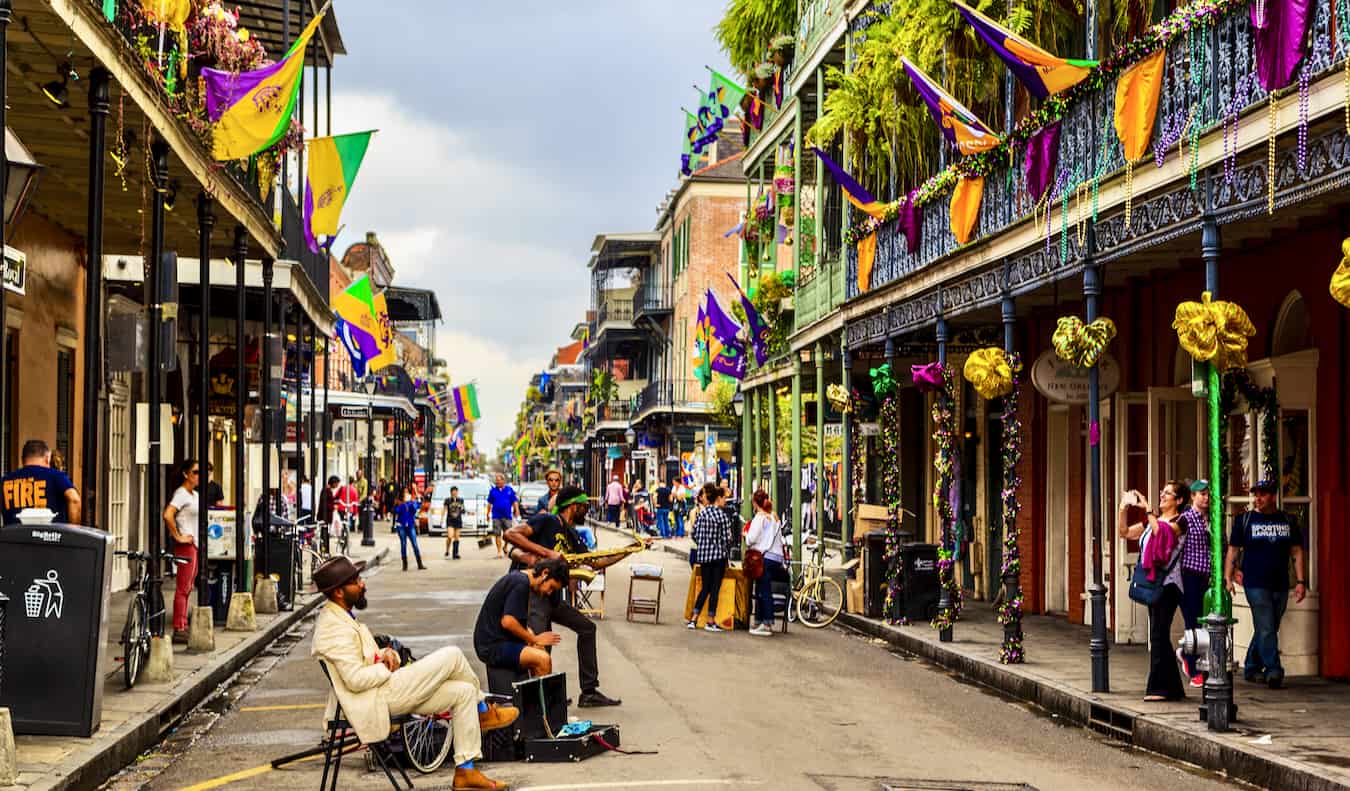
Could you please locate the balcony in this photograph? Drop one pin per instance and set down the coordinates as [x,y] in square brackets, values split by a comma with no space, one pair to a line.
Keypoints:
[819,295]
[1225,91]
[818,19]
[616,414]
[613,311]
[683,395]
[653,299]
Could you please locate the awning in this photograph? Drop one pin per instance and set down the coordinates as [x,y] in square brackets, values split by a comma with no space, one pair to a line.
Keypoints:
[382,404]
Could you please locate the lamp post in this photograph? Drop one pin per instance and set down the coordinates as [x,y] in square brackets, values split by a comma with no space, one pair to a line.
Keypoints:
[367,507]
[629,437]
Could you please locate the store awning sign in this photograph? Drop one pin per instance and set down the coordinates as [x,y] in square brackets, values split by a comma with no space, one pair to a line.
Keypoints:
[1063,383]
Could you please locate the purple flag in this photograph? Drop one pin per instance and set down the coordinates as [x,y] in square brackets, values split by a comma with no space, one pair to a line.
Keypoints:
[909,221]
[1041,159]
[759,331]
[723,326]
[1280,34]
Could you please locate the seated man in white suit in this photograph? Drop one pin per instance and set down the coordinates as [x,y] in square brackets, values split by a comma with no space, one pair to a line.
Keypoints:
[372,687]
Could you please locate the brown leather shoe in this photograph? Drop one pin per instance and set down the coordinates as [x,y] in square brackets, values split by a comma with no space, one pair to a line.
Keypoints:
[497,717]
[474,780]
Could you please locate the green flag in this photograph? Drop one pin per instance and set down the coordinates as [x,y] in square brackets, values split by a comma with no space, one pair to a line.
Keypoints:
[724,96]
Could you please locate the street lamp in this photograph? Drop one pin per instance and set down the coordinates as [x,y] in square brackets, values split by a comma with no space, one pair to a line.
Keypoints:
[367,505]
[738,404]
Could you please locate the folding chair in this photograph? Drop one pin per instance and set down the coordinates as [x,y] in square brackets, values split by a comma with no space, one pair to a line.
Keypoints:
[336,740]
[645,605]
[582,592]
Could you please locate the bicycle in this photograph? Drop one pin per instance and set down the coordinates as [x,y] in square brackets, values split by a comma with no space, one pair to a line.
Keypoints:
[816,597]
[135,640]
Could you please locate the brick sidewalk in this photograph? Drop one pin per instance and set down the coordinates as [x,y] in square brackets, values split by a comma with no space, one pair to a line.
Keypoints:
[132,719]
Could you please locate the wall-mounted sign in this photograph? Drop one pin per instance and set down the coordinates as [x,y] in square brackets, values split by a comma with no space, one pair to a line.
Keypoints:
[16,270]
[1066,384]
[353,412]
[869,429]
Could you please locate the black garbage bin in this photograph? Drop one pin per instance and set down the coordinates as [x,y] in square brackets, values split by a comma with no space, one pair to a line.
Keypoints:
[281,551]
[922,587]
[57,578]
[875,568]
[221,581]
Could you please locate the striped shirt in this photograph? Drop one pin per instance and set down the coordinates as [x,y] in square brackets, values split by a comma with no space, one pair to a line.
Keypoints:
[712,534]
[1195,555]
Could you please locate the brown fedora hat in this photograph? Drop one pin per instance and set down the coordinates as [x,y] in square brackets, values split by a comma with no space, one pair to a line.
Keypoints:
[336,572]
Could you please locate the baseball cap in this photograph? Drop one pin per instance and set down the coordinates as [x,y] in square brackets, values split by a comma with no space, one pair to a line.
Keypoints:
[1264,485]
[1199,485]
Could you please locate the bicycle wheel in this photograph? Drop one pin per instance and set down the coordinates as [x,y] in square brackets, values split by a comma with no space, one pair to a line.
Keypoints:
[426,742]
[135,641]
[820,603]
[342,539]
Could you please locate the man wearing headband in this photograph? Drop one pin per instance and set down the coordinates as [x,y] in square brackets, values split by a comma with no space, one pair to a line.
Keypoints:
[552,535]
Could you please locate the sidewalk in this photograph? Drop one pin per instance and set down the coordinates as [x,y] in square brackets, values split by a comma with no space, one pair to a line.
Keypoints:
[1294,738]
[133,719]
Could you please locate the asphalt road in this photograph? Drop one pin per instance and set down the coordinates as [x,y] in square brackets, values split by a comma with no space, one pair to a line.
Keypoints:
[807,710]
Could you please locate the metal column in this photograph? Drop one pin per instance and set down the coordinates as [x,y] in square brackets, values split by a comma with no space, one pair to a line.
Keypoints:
[206,221]
[1098,645]
[771,390]
[93,297]
[846,471]
[945,603]
[819,498]
[154,474]
[265,404]
[796,471]
[6,15]
[243,581]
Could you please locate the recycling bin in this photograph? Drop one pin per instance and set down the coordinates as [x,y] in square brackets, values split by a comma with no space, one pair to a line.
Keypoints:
[922,586]
[57,578]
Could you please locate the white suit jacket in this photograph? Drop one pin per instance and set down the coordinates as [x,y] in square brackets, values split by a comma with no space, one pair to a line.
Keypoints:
[349,650]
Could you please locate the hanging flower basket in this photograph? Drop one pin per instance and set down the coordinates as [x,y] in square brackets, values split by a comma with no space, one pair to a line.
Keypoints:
[782,50]
[763,79]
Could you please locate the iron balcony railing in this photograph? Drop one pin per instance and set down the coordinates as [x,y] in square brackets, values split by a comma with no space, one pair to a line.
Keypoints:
[664,393]
[1210,80]
[618,410]
[614,310]
[653,298]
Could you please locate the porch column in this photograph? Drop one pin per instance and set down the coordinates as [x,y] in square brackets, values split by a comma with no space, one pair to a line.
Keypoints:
[154,474]
[944,591]
[819,498]
[846,460]
[6,15]
[315,486]
[206,221]
[747,451]
[796,471]
[299,361]
[1097,645]
[759,442]
[91,461]
[243,580]
[771,390]
[265,405]
[326,424]
[367,505]
[1012,631]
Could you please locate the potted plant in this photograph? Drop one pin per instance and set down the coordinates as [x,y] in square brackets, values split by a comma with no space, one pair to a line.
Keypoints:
[781,50]
[763,79]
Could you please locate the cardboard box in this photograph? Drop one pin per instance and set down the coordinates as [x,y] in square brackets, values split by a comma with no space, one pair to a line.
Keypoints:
[854,597]
[869,518]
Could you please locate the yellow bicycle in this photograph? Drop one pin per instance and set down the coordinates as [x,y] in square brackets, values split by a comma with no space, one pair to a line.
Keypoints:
[816,598]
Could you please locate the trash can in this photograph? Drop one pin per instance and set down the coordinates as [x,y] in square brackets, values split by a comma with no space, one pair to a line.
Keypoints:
[221,582]
[281,551]
[57,578]
[922,587]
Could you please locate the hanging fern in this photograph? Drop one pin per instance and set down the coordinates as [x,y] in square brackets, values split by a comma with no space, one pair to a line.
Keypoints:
[749,26]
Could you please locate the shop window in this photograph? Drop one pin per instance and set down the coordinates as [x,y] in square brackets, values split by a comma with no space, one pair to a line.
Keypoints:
[1293,327]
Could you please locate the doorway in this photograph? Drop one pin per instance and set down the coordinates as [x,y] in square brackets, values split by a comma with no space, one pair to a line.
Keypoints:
[1057,511]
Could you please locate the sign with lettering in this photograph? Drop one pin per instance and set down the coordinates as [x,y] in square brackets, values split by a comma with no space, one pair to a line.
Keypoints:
[1066,384]
[353,412]
[16,270]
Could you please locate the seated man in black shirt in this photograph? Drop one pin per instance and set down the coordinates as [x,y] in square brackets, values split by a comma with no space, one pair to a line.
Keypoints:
[500,638]
[551,535]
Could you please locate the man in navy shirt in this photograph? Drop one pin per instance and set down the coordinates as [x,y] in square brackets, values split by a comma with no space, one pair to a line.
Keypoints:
[501,637]
[37,485]
[505,508]
[1268,538]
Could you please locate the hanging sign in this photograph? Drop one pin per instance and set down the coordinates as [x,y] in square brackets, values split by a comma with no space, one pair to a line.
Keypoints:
[16,270]
[1066,384]
[353,412]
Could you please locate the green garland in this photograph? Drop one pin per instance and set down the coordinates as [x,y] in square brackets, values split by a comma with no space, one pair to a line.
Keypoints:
[944,457]
[890,493]
[1194,16]
[1010,612]
[1259,399]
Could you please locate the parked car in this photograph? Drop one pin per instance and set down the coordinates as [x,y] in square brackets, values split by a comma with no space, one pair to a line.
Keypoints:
[476,513]
[529,496]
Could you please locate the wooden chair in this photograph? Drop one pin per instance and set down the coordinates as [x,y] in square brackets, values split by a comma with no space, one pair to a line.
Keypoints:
[645,605]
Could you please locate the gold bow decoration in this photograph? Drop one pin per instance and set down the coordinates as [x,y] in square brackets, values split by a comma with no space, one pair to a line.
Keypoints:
[989,372]
[1340,280]
[837,395]
[1081,345]
[1214,331]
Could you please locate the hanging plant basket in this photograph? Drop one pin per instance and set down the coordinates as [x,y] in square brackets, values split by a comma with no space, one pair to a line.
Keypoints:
[782,50]
[763,79]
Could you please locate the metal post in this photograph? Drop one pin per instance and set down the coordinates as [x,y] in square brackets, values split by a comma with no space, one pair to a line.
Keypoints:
[326,424]
[93,295]
[757,437]
[299,359]
[846,456]
[1098,645]
[310,429]
[206,221]
[771,391]
[945,603]
[154,474]
[796,472]
[367,507]
[6,15]
[265,406]
[747,457]
[1012,631]
[819,498]
[243,581]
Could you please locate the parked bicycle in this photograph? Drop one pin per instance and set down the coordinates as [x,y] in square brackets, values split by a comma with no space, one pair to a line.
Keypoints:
[816,597]
[136,631]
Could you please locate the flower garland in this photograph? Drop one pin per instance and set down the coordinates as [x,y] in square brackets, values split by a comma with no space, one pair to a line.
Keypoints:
[944,458]
[1010,612]
[856,450]
[1194,16]
[890,493]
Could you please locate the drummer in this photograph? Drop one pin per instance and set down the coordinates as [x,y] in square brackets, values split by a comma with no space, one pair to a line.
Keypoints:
[551,535]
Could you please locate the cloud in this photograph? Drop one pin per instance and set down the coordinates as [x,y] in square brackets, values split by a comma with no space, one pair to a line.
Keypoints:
[501,377]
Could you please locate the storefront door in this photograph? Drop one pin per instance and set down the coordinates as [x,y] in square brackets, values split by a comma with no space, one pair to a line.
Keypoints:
[1057,511]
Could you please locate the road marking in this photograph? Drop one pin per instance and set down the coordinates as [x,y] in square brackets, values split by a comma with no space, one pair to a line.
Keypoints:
[286,707]
[227,779]
[640,784]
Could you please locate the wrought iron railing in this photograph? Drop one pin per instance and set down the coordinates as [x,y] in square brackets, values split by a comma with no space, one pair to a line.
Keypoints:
[614,310]
[1209,80]
[663,393]
[653,298]
[617,410]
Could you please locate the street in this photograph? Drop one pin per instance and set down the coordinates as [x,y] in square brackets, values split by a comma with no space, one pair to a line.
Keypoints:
[720,709]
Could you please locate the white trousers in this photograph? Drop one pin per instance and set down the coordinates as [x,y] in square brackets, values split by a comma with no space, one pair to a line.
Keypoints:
[441,681]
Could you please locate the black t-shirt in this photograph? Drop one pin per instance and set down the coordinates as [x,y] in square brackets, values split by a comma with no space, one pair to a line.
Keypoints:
[548,531]
[1266,541]
[663,497]
[509,595]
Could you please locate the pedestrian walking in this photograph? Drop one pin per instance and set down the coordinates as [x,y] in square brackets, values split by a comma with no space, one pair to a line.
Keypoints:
[765,536]
[1160,536]
[553,478]
[641,513]
[665,501]
[505,504]
[1196,567]
[681,509]
[712,538]
[405,520]
[180,517]
[38,485]
[306,496]
[1267,539]
[615,497]
[454,522]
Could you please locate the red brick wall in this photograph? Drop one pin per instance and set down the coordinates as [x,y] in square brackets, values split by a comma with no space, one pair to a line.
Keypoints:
[711,257]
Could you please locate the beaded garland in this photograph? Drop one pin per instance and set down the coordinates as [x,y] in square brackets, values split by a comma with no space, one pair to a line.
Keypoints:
[890,493]
[1010,612]
[944,455]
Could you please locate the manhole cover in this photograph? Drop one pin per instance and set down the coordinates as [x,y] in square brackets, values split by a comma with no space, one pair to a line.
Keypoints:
[952,786]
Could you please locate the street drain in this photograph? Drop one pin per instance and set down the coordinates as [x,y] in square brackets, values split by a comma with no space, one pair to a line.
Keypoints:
[893,784]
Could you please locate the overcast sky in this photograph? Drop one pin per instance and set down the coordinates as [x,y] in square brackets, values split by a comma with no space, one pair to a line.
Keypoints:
[511,133]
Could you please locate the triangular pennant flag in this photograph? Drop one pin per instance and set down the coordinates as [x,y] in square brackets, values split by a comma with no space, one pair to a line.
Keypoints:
[1137,103]
[867,256]
[1043,74]
[962,129]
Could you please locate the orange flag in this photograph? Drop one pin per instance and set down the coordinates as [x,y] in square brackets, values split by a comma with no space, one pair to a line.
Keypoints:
[867,255]
[966,207]
[1137,103]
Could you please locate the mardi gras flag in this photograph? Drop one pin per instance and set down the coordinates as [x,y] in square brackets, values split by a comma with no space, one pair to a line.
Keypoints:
[702,362]
[357,327]
[384,337]
[856,193]
[251,110]
[1043,74]
[466,403]
[724,96]
[726,353]
[959,125]
[759,331]
[333,163]
[692,158]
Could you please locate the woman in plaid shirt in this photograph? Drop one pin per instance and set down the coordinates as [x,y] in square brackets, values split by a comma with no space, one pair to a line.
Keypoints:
[1196,564]
[712,537]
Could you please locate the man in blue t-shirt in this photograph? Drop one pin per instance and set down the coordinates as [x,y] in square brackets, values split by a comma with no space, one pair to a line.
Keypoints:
[1267,538]
[505,508]
[37,485]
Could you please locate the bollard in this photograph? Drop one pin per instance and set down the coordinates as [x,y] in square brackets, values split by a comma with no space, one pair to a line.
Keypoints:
[4,605]
[1218,710]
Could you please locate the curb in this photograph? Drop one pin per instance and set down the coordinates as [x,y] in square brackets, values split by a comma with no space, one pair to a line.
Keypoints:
[145,731]
[1146,732]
